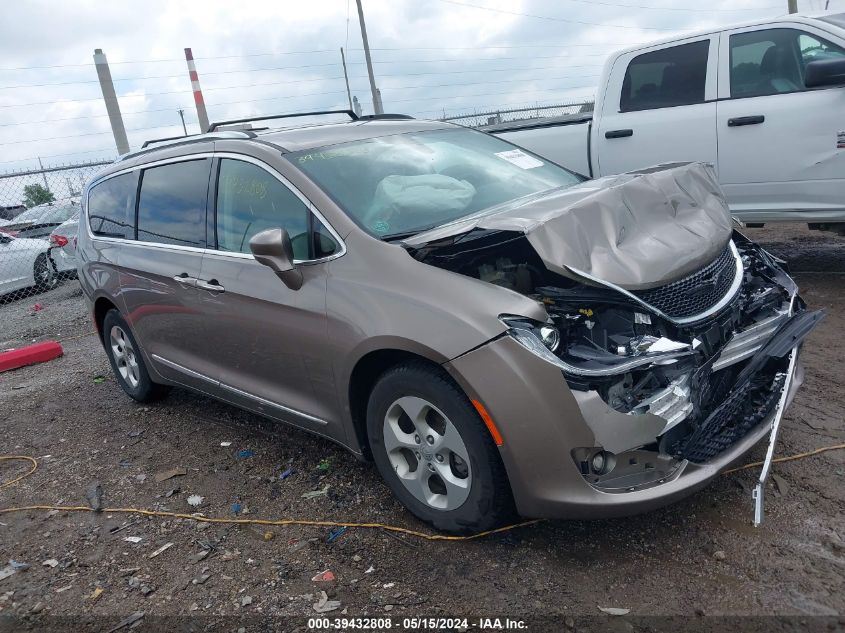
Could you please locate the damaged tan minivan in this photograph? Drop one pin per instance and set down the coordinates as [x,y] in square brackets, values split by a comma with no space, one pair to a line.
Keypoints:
[501,336]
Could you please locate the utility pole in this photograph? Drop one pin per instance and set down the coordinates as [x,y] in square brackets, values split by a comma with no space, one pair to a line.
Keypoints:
[182,116]
[202,115]
[346,77]
[43,175]
[793,6]
[112,106]
[377,107]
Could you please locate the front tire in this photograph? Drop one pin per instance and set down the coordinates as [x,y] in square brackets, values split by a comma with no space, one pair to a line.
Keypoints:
[434,451]
[126,360]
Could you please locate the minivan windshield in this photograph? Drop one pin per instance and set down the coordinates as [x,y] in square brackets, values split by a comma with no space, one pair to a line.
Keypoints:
[402,184]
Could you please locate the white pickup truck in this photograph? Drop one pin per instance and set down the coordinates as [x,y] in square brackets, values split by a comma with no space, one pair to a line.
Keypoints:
[764,102]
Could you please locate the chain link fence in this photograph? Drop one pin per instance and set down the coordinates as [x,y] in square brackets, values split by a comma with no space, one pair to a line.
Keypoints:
[39,212]
[494,117]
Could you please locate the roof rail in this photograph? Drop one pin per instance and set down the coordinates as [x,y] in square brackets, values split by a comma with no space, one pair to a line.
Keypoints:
[213,127]
[167,138]
[383,117]
[173,141]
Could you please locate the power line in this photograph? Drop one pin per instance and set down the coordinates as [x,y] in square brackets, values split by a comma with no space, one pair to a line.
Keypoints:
[300,67]
[639,6]
[311,94]
[181,60]
[552,19]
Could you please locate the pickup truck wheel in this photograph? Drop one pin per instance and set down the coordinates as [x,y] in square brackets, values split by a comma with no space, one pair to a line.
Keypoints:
[434,451]
[44,274]
[126,361]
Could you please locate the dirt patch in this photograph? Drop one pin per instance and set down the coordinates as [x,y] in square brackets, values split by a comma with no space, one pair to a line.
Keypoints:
[696,556]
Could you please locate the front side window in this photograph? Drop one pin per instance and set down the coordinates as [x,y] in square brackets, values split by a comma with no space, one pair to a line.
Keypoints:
[171,207]
[667,77]
[251,200]
[407,183]
[772,61]
[111,206]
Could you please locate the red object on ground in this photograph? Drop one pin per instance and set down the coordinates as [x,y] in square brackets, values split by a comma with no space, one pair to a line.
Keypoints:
[30,355]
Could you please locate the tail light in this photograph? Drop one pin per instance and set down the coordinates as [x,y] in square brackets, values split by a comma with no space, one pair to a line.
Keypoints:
[58,240]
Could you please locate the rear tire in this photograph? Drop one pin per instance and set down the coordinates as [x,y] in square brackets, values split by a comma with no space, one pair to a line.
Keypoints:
[434,452]
[44,274]
[127,362]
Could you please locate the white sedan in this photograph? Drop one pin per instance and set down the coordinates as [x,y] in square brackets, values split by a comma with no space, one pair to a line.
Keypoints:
[24,263]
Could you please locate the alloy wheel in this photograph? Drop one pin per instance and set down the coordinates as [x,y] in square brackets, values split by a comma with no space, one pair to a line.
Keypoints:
[125,356]
[427,453]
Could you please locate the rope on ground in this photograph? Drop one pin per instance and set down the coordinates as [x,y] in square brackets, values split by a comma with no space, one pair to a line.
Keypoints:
[265,522]
[789,458]
[20,458]
[311,523]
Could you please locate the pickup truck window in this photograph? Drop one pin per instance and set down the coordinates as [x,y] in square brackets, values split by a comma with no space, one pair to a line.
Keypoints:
[667,77]
[772,61]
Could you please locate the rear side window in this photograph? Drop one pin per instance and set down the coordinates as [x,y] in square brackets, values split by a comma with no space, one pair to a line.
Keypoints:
[111,207]
[772,61]
[171,208]
[669,77]
[251,200]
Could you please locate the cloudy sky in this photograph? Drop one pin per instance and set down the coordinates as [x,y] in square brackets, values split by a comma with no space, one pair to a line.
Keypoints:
[432,58]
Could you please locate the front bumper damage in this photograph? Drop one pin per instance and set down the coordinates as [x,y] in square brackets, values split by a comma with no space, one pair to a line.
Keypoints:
[719,395]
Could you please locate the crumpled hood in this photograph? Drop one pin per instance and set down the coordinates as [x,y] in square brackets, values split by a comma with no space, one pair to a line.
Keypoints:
[637,230]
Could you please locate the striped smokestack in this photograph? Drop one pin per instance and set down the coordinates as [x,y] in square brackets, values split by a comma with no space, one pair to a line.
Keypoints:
[202,115]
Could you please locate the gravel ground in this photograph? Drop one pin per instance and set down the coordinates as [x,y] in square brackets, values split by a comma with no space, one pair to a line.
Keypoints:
[699,556]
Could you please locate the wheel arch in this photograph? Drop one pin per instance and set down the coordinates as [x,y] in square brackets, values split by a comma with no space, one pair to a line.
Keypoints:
[363,377]
[102,305]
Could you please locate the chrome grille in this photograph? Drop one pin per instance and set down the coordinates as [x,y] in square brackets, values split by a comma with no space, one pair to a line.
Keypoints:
[695,293]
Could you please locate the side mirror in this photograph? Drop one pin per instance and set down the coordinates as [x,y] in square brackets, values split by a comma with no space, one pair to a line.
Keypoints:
[825,72]
[272,248]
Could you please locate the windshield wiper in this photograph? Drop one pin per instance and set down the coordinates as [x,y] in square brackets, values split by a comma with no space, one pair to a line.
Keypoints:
[392,237]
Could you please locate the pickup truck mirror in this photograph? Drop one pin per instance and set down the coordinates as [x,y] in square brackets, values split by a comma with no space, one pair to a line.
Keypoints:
[273,249]
[825,72]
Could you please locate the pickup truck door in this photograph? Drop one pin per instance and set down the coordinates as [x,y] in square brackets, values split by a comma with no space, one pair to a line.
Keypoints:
[781,145]
[659,107]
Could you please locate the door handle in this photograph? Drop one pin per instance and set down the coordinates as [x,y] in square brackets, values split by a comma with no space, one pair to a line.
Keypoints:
[211,285]
[746,120]
[618,133]
[185,279]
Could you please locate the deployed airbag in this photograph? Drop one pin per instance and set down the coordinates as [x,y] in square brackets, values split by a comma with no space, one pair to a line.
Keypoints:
[427,195]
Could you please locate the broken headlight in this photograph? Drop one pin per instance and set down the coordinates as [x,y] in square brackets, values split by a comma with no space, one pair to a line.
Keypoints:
[530,333]
[544,340]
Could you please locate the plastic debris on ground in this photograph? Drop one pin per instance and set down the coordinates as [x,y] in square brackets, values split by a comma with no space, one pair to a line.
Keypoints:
[286,474]
[236,508]
[324,465]
[164,547]
[169,474]
[225,444]
[99,379]
[195,500]
[335,534]
[50,562]
[324,605]
[246,453]
[133,539]
[324,576]
[96,593]
[614,611]
[316,493]
[94,495]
